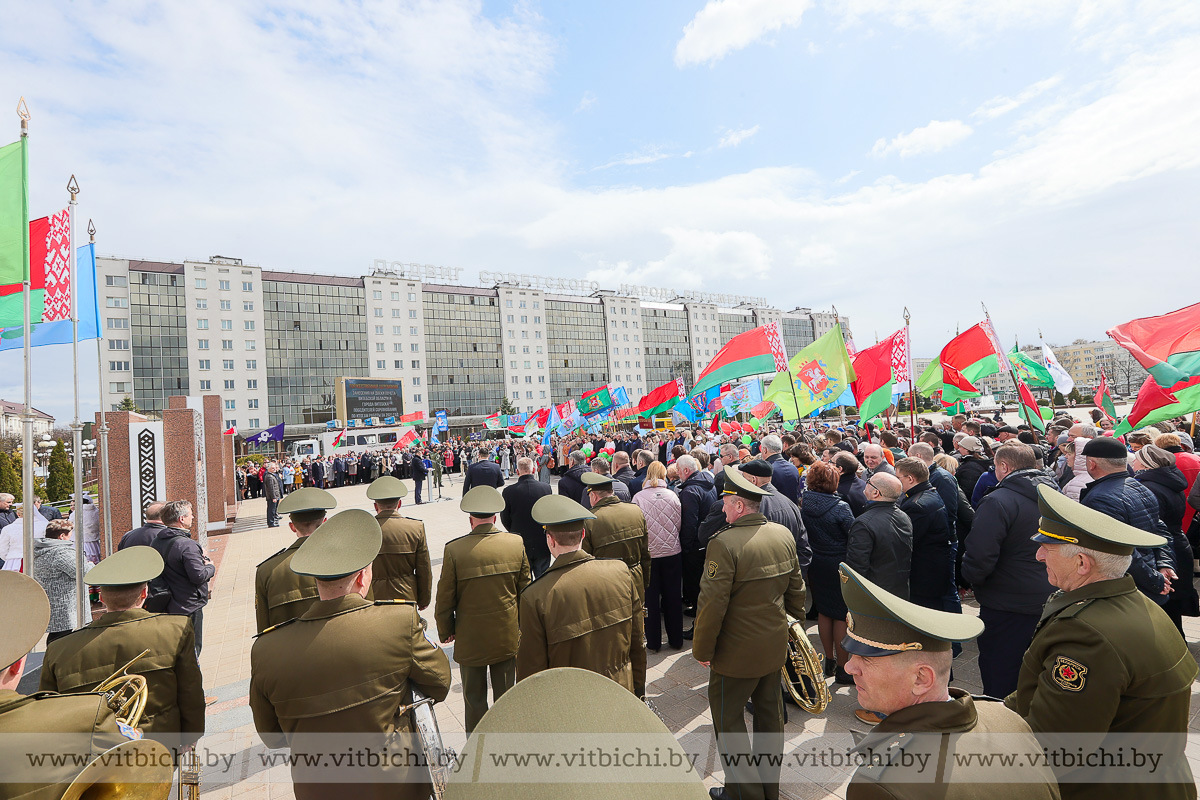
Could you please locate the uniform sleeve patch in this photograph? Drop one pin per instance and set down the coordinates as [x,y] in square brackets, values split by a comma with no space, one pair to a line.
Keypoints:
[712,569]
[1069,674]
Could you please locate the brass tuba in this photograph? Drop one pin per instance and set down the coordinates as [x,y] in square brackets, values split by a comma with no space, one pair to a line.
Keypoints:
[804,672]
[110,776]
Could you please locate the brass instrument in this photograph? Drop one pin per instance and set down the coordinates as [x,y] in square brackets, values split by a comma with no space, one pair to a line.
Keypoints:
[804,672]
[189,775]
[126,694]
[110,776]
[438,757]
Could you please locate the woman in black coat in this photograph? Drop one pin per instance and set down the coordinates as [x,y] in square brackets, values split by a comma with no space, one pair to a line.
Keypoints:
[827,518]
[1155,469]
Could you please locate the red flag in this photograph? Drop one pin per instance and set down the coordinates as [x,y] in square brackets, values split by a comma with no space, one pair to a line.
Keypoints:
[403,441]
[662,398]
[1103,398]
[763,409]
[232,431]
[952,377]
[1033,414]
[716,425]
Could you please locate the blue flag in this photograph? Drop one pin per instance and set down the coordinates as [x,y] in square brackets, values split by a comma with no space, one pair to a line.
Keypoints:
[443,421]
[271,434]
[694,407]
[60,332]
[620,396]
[552,424]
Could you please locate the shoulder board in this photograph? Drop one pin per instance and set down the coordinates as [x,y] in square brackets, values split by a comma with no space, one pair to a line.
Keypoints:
[275,627]
[1074,609]
[986,698]
[268,558]
[719,531]
[394,603]
[887,752]
[458,538]
[412,519]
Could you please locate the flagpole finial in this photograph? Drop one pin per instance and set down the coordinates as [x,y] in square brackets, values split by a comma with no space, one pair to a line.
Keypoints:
[91,231]
[73,187]
[23,113]
[907,316]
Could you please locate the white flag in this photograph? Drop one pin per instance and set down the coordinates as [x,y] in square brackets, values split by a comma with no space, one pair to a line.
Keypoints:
[1063,382]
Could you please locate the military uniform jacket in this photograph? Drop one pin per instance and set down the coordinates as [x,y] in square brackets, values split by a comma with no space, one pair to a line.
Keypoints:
[483,575]
[279,593]
[942,765]
[402,571]
[1105,657]
[584,612]
[175,705]
[51,715]
[751,582]
[360,659]
[619,531]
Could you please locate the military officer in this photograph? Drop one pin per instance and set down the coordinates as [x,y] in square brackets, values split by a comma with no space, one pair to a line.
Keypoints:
[618,529]
[401,570]
[483,575]
[582,612]
[279,593]
[751,578]
[24,615]
[1104,657]
[346,666]
[80,661]
[900,657]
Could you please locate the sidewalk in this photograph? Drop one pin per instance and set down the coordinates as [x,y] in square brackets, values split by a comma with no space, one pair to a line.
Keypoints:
[677,684]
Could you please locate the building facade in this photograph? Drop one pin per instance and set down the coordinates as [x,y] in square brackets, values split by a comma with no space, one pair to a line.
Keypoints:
[272,343]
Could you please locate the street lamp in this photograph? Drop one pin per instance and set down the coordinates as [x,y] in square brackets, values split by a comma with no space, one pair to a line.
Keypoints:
[88,451]
[44,446]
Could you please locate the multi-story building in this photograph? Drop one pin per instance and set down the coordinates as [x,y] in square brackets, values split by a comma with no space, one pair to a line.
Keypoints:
[1083,360]
[273,343]
[10,419]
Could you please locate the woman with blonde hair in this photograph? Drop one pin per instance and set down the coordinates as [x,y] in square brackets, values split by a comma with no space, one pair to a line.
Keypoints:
[664,599]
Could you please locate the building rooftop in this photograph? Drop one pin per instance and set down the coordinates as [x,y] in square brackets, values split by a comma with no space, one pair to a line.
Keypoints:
[18,408]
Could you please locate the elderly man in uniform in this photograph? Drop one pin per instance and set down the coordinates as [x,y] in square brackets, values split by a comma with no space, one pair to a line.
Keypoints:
[583,612]
[1105,658]
[900,658]
[483,575]
[79,662]
[279,593]
[360,662]
[751,582]
[401,570]
[618,530]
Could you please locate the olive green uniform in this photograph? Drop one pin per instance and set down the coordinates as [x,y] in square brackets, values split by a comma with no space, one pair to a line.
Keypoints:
[584,612]
[346,667]
[619,531]
[175,703]
[751,578]
[1106,658]
[279,593]
[938,740]
[48,716]
[483,575]
[402,570]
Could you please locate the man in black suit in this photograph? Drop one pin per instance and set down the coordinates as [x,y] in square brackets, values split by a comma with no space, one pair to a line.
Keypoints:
[517,516]
[148,532]
[484,472]
[571,483]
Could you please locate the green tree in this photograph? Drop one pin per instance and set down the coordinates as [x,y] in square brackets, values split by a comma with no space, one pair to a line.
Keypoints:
[10,478]
[1059,400]
[1075,395]
[506,406]
[128,405]
[60,482]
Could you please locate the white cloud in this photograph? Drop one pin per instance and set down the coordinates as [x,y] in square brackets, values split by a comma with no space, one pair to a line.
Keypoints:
[723,26]
[646,156]
[1001,104]
[734,138]
[587,101]
[932,138]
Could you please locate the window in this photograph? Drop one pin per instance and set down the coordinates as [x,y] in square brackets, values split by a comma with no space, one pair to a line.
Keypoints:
[116,302]
[379,330]
[416,381]
[251,344]
[524,334]
[229,385]
[201,283]
[231,405]
[399,364]
[416,398]
[227,344]
[252,383]
[223,286]
[412,330]
[206,386]
[248,324]
[541,364]
[529,395]
[396,297]
[537,320]
[230,423]
[536,304]
[396,313]
[226,324]
[529,379]
[205,364]
[522,304]
[251,364]
[414,347]
[120,387]
[227,305]
[118,344]
[512,365]
[227,364]
[526,365]
[252,403]
[247,305]
[542,395]
[379,347]
[398,347]
[116,280]
[412,313]
[377,295]
[416,365]
[118,324]
[537,334]
[378,312]
[510,319]
[252,422]
[515,379]
[395,330]
[516,395]
[201,324]
[201,344]
[202,304]
[508,303]
[381,364]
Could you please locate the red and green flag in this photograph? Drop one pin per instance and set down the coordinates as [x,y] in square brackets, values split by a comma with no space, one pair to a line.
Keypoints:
[1168,346]
[662,399]
[595,401]
[875,377]
[1156,404]
[973,354]
[337,442]
[1103,398]
[956,386]
[1029,406]
[405,440]
[758,351]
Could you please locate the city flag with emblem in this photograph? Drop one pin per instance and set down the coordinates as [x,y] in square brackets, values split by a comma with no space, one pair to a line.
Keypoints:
[819,375]
[271,434]
[595,401]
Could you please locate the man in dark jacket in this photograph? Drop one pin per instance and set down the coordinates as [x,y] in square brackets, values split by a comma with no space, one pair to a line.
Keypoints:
[643,459]
[881,540]
[696,496]
[943,482]
[776,508]
[419,471]
[851,487]
[784,475]
[1001,564]
[187,569]
[273,492]
[148,532]
[483,473]
[971,463]
[931,580]
[517,516]
[571,483]
[621,470]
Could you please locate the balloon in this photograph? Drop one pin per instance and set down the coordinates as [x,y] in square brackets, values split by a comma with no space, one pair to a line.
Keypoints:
[606,456]
[747,438]
[726,428]
[587,449]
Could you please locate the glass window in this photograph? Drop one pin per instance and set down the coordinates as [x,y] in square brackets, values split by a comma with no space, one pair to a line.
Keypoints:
[414,347]
[412,297]
[247,305]
[252,422]
[251,364]
[378,312]
[248,324]
[231,405]
[252,383]
[116,302]
[395,330]
[116,280]
[379,347]
[230,423]
[399,364]
[201,344]
[223,286]
[508,303]
[201,304]
[416,365]
[201,283]
[412,313]
[205,364]
[381,364]
[227,344]
[252,403]
[396,296]
[412,331]
[379,330]
[227,305]
[416,381]
[251,344]
[206,386]
[227,364]
[377,295]
[226,324]
[229,385]
[202,324]
[118,366]
[118,323]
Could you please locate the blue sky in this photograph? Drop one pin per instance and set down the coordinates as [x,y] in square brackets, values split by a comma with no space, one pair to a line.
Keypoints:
[1037,155]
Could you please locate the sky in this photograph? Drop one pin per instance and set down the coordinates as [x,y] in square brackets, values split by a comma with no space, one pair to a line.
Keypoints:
[1037,156]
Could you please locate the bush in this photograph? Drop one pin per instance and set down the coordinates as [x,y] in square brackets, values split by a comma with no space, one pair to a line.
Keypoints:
[60,481]
[10,476]
[254,459]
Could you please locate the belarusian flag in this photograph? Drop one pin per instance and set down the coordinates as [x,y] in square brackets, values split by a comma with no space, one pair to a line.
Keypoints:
[764,409]
[1156,404]
[1103,398]
[1168,346]
[49,275]
[595,401]
[14,214]
[930,380]
[1030,370]
[232,431]
[403,441]
[955,386]
[1033,414]
[973,353]
[337,442]
[661,399]
[874,379]
[758,351]
[822,372]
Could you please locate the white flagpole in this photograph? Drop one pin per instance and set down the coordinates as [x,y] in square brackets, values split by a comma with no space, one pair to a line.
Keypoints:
[27,417]
[81,598]
[105,492]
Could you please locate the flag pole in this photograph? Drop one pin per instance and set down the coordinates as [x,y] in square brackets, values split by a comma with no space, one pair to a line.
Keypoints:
[105,491]
[912,379]
[1012,374]
[76,426]
[27,416]
[837,320]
